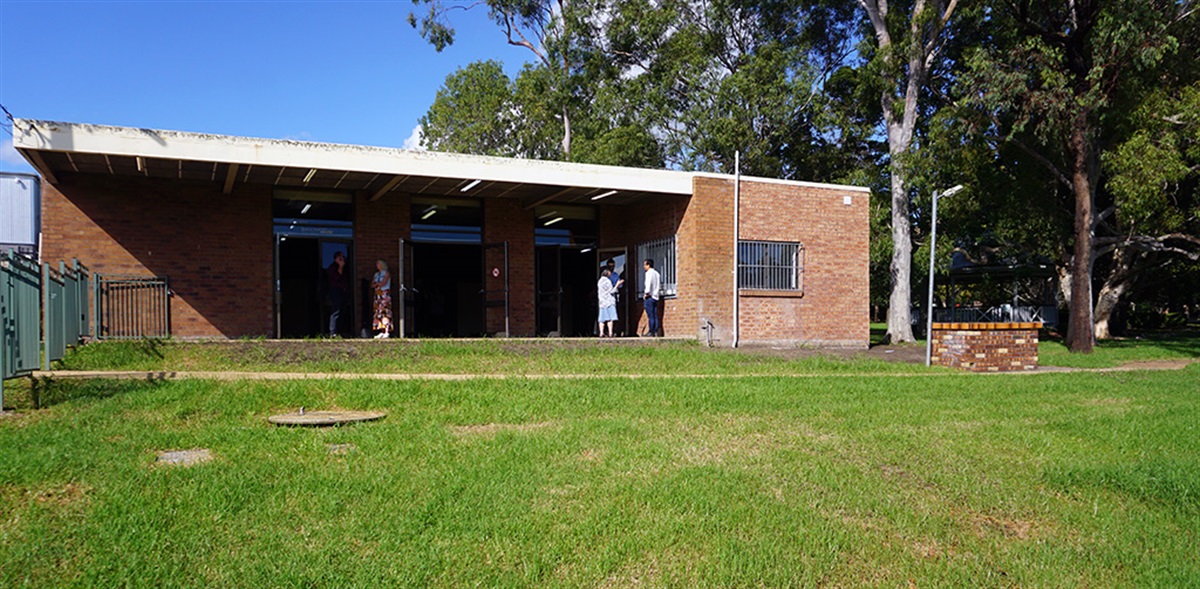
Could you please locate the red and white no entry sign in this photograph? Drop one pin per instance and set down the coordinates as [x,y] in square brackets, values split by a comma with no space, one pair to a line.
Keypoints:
[495,273]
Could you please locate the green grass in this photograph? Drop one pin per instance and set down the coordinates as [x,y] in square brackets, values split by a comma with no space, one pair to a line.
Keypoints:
[459,357]
[1162,345]
[1051,480]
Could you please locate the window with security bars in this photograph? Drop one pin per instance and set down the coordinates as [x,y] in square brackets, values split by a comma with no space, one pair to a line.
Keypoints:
[770,265]
[662,251]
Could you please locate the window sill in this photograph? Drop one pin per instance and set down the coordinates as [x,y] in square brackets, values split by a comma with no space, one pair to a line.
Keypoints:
[775,294]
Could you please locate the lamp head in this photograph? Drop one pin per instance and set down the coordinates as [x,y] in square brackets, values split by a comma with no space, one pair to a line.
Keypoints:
[951,191]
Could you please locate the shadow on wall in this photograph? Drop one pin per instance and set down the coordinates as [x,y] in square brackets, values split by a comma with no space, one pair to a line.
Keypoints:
[215,248]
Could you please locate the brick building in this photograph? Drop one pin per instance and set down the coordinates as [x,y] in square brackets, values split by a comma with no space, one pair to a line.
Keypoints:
[242,228]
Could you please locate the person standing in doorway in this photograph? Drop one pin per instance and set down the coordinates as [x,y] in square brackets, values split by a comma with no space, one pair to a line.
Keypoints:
[381,283]
[613,275]
[339,291]
[605,289]
[650,296]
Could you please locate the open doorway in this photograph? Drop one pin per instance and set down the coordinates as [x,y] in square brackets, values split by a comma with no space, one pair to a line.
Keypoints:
[448,299]
[310,228]
[303,305]
[566,290]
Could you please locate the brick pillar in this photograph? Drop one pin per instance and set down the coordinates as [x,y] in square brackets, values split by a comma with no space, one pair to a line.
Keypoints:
[379,226]
[504,219]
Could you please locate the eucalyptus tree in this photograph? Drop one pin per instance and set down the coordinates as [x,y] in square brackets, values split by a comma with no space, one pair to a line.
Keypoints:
[1154,184]
[909,38]
[547,28]
[1053,77]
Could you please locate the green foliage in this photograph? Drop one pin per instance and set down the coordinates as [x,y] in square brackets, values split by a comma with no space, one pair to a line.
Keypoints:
[472,113]
[1153,173]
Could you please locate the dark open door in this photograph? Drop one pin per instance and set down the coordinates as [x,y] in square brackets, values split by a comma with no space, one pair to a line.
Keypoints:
[549,290]
[495,287]
[408,293]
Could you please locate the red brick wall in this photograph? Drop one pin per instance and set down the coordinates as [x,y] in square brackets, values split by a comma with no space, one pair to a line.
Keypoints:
[504,219]
[215,249]
[833,308]
[378,228]
[986,347]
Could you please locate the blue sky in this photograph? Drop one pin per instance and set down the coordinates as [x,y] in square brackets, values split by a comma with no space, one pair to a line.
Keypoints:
[340,72]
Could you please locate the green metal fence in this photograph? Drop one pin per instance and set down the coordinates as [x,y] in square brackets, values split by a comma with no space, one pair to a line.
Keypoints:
[42,312]
[45,310]
[20,317]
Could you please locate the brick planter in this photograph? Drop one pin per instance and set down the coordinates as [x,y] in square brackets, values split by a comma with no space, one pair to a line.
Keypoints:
[986,347]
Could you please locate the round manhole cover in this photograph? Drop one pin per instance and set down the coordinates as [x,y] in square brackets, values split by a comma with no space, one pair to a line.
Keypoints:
[324,418]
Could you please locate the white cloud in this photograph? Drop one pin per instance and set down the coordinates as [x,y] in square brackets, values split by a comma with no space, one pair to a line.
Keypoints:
[11,160]
[414,139]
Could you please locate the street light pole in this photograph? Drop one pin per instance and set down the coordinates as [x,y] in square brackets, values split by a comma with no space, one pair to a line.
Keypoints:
[932,254]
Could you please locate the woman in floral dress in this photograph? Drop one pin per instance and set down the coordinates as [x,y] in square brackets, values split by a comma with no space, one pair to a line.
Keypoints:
[382,284]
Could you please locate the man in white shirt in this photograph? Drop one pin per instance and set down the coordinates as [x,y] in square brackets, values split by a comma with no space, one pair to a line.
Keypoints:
[650,301]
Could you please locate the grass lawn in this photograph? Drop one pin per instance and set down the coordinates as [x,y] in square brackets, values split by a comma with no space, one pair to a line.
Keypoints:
[578,357]
[1066,480]
[1151,345]
[569,356]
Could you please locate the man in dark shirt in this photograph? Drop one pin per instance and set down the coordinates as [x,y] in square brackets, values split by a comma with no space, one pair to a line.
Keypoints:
[339,290]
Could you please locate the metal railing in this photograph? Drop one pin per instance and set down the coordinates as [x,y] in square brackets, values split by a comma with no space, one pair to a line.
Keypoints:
[20,315]
[770,265]
[42,312]
[1047,314]
[45,310]
[132,307]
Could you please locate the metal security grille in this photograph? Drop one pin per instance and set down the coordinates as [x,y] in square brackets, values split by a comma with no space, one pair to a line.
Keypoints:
[662,251]
[770,265]
[129,307]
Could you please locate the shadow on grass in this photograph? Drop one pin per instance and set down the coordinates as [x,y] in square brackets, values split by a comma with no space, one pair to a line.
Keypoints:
[45,392]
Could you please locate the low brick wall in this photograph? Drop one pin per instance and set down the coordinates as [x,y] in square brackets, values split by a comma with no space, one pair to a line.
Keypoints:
[986,347]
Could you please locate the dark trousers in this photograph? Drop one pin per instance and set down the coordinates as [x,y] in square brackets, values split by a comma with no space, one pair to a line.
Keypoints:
[651,306]
[337,302]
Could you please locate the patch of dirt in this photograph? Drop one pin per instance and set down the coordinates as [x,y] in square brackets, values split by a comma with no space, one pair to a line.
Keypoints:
[985,525]
[67,495]
[62,496]
[1175,364]
[930,549]
[491,429]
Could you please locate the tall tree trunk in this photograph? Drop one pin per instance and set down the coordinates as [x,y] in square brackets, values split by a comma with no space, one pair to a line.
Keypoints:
[1080,336]
[908,72]
[1116,286]
[899,319]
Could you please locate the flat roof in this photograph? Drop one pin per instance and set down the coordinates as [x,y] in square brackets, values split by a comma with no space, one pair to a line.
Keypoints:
[53,147]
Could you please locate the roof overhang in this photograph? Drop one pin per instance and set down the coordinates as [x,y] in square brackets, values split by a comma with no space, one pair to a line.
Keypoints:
[54,148]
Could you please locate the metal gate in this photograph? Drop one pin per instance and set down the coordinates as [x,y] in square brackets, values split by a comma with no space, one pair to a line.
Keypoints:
[132,307]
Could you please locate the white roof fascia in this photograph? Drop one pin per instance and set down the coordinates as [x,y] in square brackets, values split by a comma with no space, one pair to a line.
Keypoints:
[180,145]
[800,183]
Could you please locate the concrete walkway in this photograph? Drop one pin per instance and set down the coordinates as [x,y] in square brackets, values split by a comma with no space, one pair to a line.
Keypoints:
[163,375]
